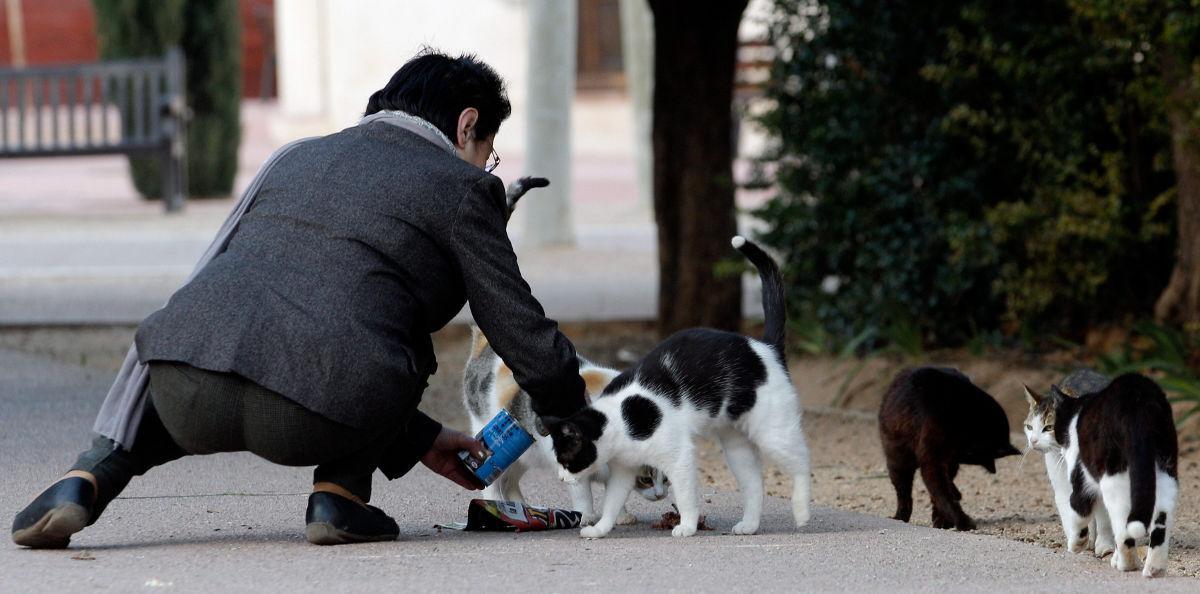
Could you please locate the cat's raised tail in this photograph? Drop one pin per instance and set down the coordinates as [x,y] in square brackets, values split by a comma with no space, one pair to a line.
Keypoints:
[774,312]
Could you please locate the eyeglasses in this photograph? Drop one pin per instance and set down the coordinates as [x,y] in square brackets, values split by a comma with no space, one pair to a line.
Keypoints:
[493,162]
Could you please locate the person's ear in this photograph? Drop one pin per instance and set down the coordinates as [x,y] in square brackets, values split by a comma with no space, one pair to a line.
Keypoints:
[466,126]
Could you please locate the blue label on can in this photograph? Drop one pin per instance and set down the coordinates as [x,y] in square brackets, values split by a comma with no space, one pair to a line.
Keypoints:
[504,441]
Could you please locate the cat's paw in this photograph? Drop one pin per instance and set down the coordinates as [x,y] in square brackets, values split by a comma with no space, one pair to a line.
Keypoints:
[965,523]
[940,521]
[801,514]
[681,531]
[1077,545]
[1125,560]
[592,532]
[1153,572]
[1103,549]
[626,519]
[745,527]
[589,519]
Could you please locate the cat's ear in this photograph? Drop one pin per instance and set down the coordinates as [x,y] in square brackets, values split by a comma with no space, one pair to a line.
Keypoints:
[567,436]
[989,465]
[1033,398]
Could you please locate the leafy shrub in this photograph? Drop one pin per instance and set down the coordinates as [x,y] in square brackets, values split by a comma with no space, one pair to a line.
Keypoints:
[1168,354]
[954,168]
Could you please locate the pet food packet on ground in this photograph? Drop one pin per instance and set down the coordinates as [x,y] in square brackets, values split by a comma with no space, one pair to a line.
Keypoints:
[510,516]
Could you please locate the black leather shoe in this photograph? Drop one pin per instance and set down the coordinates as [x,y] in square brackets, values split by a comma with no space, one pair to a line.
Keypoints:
[60,511]
[333,519]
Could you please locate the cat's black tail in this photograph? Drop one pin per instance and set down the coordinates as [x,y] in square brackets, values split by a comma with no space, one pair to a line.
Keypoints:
[774,312]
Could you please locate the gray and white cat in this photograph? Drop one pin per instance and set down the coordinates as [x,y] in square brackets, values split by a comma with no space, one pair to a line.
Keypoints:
[1112,457]
[488,386]
[697,382]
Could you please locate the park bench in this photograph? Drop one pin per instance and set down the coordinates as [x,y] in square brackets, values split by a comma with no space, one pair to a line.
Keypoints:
[128,107]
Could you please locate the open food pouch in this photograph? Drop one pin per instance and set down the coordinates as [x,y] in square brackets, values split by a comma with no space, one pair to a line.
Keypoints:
[510,516]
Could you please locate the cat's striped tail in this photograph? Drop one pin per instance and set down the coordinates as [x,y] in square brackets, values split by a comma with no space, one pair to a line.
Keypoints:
[774,311]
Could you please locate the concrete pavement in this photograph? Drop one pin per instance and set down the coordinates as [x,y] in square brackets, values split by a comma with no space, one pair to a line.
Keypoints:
[233,522]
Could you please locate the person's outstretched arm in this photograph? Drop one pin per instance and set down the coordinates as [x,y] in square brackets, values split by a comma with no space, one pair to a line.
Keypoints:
[543,361]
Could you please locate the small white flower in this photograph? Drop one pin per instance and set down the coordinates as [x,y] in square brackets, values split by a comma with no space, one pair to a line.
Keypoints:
[831,284]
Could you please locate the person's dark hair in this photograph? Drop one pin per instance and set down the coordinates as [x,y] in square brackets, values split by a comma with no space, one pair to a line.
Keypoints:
[436,87]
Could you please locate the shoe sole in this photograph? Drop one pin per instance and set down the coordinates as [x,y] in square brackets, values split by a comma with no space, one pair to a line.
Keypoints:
[324,533]
[54,529]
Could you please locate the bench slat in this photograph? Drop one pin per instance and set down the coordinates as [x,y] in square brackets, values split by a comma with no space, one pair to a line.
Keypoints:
[139,106]
[55,139]
[3,114]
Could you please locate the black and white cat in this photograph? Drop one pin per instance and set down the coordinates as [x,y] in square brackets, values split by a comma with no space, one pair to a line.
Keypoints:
[697,382]
[1119,460]
[489,386]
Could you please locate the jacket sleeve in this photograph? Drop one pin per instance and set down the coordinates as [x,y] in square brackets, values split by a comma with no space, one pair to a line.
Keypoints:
[543,361]
[417,440]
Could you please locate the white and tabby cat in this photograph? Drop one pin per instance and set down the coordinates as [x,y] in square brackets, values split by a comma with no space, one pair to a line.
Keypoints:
[1039,432]
[697,382]
[1119,457]
[488,386]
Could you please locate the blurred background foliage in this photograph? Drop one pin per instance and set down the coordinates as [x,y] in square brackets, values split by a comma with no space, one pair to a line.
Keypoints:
[208,33]
[948,173]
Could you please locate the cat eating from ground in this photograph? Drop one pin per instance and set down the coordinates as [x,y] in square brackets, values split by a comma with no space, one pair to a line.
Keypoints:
[698,382]
[1120,457]
[935,419]
[488,386]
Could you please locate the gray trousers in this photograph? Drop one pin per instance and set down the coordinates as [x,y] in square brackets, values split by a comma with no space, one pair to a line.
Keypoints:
[193,411]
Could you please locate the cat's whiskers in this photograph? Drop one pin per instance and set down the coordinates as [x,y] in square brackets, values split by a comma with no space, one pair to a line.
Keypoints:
[1025,454]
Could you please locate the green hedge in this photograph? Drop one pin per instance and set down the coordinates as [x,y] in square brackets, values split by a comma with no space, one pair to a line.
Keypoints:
[962,169]
[208,31]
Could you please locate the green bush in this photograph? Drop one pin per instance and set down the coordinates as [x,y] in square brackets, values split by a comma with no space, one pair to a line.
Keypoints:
[208,33]
[955,168]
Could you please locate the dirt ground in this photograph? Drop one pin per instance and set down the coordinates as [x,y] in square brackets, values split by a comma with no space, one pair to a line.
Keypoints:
[848,465]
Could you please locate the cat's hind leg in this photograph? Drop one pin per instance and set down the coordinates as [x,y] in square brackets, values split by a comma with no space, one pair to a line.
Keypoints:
[616,491]
[902,465]
[1114,491]
[947,513]
[744,463]
[1101,531]
[1078,504]
[1163,524]
[781,440]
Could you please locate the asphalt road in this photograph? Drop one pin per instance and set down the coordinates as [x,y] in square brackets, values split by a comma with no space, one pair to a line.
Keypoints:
[235,523]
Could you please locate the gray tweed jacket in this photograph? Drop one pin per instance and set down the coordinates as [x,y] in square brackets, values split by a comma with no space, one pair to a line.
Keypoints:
[359,245]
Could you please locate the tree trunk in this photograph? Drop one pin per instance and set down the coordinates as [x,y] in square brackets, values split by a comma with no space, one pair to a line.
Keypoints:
[1180,301]
[695,51]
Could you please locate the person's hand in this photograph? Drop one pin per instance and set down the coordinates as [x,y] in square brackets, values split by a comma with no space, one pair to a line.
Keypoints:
[443,459]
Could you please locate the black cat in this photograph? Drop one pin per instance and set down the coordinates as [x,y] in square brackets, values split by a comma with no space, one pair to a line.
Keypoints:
[935,419]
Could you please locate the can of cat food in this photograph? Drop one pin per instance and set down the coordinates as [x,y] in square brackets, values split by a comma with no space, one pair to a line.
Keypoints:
[504,441]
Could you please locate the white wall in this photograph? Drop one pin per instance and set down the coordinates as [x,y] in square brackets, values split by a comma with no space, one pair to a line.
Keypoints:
[334,53]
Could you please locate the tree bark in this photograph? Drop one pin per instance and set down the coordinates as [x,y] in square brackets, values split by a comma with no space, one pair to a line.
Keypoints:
[1180,301]
[695,52]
